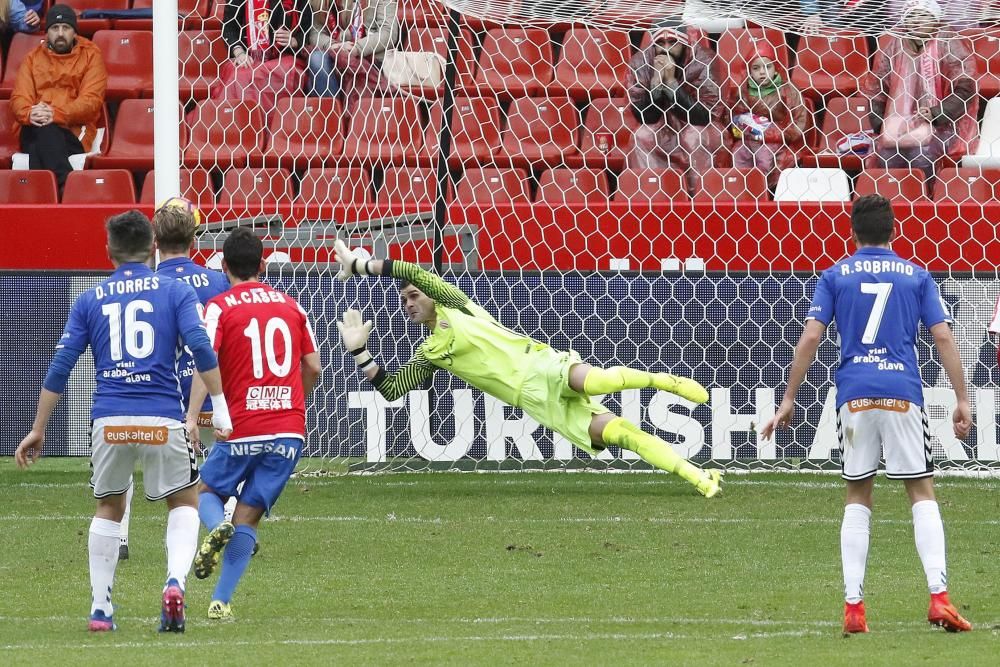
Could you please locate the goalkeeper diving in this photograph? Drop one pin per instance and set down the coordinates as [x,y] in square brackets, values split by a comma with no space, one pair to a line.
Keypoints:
[555,388]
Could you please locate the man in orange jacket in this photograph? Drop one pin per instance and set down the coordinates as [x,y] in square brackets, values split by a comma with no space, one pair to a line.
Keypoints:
[58,95]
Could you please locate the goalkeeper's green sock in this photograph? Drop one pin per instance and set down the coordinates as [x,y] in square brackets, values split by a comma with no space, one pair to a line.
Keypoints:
[653,450]
[600,381]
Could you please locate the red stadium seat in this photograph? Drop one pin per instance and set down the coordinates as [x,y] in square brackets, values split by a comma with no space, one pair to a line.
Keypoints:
[255,188]
[99,186]
[20,45]
[434,39]
[28,187]
[224,133]
[571,186]
[733,185]
[421,12]
[192,12]
[304,131]
[128,57]
[905,184]
[196,186]
[986,46]
[652,185]
[493,186]
[132,141]
[828,65]
[413,188]
[475,130]
[200,54]
[606,135]
[540,130]
[9,144]
[735,47]
[844,116]
[594,63]
[386,131]
[336,187]
[967,184]
[514,62]
[88,27]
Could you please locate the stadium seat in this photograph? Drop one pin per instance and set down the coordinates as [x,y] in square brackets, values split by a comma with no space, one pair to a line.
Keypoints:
[28,187]
[223,133]
[652,185]
[412,188]
[128,57]
[20,45]
[572,186]
[514,62]
[336,187]
[434,39]
[192,14]
[540,130]
[9,144]
[905,184]
[986,46]
[475,130]
[100,145]
[99,186]
[988,148]
[305,131]
[132,140]
[845,116]
[385,131]
[200,54]
[736,45]
[493,186]
[606,135]
[255,188]
[196,186]
[835,64]
[967,184]
[420,12]
[733,185]
[594,63]
[813,184]
[87,26]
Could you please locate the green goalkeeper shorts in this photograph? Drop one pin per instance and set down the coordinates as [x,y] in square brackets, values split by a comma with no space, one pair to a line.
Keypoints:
[547,398]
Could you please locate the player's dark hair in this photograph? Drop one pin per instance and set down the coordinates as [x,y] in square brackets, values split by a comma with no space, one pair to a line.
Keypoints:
[243,252]
[174,229]
[872,220]
[130,237]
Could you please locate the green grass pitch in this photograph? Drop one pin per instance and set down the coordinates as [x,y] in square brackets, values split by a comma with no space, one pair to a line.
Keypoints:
[534,568]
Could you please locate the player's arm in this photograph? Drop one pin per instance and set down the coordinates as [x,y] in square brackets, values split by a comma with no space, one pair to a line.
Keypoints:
[193,333]
[433,286]
[952,362]
[413,374]
[74,341]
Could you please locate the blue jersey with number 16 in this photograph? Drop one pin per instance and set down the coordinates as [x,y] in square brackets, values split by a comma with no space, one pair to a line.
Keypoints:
[135,323]
[878,301]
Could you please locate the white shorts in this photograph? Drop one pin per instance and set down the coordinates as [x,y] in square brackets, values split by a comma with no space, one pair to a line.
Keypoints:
[868,426]
[168,461]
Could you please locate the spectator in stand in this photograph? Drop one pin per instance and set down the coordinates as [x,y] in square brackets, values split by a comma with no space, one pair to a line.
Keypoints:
[350,38]
[675,93]
[264,38]
[877,16]
[924,98]
[15,17]
[769,117]
[58,95]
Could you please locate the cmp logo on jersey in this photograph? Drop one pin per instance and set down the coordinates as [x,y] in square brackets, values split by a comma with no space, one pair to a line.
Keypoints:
[269,397]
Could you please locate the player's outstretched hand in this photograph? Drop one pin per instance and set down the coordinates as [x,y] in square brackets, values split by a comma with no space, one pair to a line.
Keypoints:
[353,331]
[193,434]
[222,424]
[30,449]
[962,420]
[782,418]
[350,263]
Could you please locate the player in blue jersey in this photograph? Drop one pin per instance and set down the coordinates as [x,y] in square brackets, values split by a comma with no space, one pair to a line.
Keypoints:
[878,301]
[135,323]
[173,234]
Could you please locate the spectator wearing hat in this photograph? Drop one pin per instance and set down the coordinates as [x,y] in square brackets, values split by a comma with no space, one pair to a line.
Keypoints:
[674,91]
[58,95]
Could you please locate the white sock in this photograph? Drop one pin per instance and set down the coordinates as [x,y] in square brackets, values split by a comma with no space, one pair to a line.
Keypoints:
[182,542]
[854,533]
[128,512]
[103,547]
[230,507]
[928,533]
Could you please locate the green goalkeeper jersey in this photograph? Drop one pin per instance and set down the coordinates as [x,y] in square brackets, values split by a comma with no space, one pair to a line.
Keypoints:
[466,341]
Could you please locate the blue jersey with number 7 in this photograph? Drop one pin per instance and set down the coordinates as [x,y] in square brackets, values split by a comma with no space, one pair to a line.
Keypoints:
[878,301]
[136,324]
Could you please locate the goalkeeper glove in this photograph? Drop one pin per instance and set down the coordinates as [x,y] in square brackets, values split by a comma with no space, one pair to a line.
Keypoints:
[354,333]
[350,263]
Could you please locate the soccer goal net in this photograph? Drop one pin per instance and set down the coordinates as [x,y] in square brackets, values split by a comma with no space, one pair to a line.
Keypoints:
[654,184]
